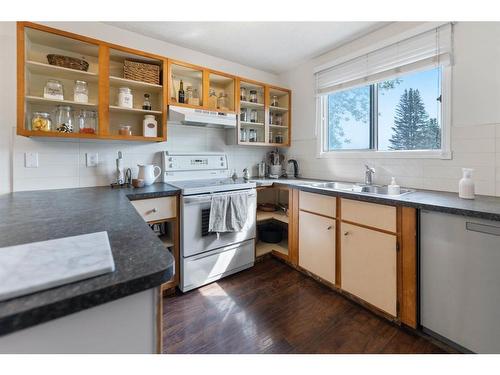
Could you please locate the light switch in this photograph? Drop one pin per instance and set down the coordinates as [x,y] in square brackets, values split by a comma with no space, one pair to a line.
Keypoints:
[31,159]
[92,159]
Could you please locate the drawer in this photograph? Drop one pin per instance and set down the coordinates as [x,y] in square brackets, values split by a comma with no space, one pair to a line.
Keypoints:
[155,209]
[318,203]
[371,214]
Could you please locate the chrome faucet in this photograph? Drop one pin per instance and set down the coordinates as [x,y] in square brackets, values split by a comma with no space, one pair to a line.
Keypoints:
[295,167]
[369,172]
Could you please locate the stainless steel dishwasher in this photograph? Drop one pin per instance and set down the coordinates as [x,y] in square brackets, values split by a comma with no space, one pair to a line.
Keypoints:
[460,280]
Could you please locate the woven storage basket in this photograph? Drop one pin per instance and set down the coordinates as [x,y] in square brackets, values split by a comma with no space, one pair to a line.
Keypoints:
[68,62]
[139,71]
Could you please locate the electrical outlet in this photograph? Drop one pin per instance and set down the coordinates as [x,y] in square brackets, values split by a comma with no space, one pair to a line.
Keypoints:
[31,159]
[92,159]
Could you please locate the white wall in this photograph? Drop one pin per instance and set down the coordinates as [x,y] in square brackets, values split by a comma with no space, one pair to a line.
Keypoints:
[62,162]
[475,129]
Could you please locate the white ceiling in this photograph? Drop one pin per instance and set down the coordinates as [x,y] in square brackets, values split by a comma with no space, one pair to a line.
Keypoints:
[270,46]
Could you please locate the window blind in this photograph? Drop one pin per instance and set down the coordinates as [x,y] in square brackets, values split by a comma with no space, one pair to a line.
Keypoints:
[429,49]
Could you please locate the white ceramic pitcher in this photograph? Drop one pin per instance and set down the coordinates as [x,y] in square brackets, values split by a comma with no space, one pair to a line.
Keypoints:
[147,173]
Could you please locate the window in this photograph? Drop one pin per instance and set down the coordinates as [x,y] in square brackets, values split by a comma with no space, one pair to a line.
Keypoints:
[391,100]
[403,113]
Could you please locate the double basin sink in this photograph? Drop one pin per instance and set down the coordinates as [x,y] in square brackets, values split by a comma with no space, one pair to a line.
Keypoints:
[356,188]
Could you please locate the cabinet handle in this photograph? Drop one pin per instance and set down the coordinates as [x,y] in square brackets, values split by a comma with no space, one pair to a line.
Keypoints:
[152,211]
[329,227]
[346,233]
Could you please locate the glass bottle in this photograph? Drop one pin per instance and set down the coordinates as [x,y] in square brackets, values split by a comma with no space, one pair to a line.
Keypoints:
[189,95]
[243,135]
[244,115]
[271,118]
[253,115]
[64,120]
[252,135]
[181,92]
[196,97]
[253,96]
[243,94]
[271,139]
[274,101]
[146,105]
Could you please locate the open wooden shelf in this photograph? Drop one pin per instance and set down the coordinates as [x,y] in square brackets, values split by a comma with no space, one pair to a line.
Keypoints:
[279,126]
[36,67]
[115,108]
[36,99]
[117,81]
[275,215]
[262,248]
[251,105]
[247,123]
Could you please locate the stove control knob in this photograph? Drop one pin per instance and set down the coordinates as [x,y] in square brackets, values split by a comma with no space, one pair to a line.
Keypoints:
[170,159]
[171,165]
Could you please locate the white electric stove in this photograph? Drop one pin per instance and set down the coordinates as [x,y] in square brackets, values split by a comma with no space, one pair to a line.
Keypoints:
[206,256]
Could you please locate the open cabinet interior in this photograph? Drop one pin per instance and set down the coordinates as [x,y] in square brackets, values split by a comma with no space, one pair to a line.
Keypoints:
[192,85]
[221,93]
[272,221]
[252,116]
[279,117]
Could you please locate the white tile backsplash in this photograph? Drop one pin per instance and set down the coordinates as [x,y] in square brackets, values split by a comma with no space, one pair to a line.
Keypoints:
[62,164]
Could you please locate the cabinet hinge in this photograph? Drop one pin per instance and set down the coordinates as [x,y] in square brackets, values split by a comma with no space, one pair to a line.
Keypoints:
[397,246]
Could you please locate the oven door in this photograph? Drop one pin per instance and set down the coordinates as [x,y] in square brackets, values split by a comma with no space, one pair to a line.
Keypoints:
[196,239]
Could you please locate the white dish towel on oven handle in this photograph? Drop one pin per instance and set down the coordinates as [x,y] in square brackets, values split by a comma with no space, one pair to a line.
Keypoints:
[228,213]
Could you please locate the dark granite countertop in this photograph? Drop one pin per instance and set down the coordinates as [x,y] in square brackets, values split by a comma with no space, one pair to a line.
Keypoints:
[140,259]
[484,207]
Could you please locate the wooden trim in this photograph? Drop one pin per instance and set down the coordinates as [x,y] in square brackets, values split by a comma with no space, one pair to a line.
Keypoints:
[408,251]
[103,107]
[266,115]
[293,226]
[186,65]
[370,227]
[399,279]
[21,83]
[317,214]
[166,88]
[205,88]
[338,245]
[59,32]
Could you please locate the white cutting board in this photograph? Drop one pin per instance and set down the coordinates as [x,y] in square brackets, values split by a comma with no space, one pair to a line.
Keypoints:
[42,265]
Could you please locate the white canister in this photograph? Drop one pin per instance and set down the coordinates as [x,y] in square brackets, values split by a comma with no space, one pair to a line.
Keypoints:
[466,184]
[149,126]
[125,98]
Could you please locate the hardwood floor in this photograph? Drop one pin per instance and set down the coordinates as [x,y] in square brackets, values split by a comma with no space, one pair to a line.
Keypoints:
[273,308]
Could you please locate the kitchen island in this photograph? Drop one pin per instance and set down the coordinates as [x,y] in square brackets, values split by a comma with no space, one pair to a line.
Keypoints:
[112,313]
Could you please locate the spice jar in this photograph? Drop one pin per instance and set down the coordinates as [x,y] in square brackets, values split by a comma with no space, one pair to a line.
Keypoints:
[279,138]
[87,122]
[81,92]
[222,102]
[146,105]
[41,121]
[125,98]
[271,139]
[252,135]
[243,135]
[274,101]
[189,95]
[253,96]
[244,115]
[243,94]
[53,90]
[196,98]
[125,130]
[212,99]
[253,115]
[278,119]
[271,118]
[64,119]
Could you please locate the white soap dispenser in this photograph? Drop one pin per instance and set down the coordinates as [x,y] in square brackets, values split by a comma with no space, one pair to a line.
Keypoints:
[394,188]
[466,184]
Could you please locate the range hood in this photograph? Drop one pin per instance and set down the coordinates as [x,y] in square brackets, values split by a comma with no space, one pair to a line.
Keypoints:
[201,117]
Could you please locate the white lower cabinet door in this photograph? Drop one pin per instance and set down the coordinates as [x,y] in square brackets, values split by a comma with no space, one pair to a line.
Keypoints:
[317,245]
[368,259]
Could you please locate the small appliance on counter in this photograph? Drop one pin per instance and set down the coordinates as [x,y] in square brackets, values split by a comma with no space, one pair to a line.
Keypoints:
[275,160]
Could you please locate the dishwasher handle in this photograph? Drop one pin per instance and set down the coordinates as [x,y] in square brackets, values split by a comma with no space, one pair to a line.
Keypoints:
[482,228]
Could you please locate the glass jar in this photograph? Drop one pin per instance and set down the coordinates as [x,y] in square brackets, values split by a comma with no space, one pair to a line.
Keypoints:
[125,130]
[243,135]
[271,139]
[53,90]
[279,138]
[41,122]
[252,135]
[253,115]
[81,92]
[243,94]
[146,105]
[189,95]
[212,99]
[87,122]
[125,98]
[271,118]
[253,96]
[64,119]
[222,101]
[278,119]
[244,115]
[274,101]
[195,100]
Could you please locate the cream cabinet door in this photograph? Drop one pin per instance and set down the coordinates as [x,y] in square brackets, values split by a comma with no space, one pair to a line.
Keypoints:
[317,245]
[368,259]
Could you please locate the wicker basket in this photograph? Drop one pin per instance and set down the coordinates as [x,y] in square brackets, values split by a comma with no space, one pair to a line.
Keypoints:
[139,71]
[68,62]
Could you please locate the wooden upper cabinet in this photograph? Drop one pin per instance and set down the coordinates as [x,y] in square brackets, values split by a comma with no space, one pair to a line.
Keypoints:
[221,92]
[194,81]
[279,118]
